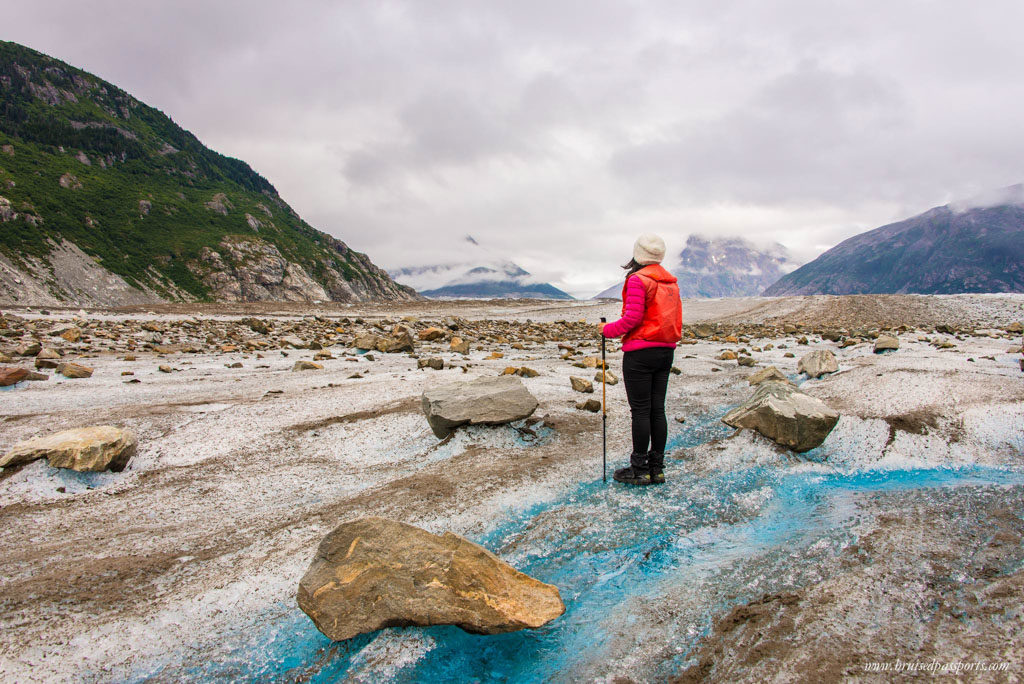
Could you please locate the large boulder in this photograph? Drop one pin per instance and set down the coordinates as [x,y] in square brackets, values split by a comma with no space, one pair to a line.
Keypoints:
[373,573]
[103,447]
[785,415]
[484,401]
[818,363]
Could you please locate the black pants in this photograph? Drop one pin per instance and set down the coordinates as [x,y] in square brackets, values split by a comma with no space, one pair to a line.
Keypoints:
[645,373]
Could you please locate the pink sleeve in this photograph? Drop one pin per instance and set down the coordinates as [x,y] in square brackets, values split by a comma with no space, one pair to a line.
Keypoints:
[636,303]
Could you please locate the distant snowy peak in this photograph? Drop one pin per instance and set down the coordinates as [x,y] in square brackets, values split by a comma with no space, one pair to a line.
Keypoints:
[724,267]
[479,274]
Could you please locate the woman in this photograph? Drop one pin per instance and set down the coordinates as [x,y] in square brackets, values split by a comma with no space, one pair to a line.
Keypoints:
[650,327]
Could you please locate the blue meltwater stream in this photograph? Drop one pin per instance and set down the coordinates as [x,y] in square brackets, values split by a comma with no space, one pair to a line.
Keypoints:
[707,541]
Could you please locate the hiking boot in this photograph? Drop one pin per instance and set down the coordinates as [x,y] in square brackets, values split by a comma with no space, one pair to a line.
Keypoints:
[656,467]
[632,476]
[636,473]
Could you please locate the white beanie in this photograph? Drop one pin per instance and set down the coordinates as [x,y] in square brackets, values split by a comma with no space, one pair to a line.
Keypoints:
[648,249]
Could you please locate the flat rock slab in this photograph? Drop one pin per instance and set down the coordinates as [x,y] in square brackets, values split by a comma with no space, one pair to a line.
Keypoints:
[484,401]
[373,573]
[785,415]
[89,449]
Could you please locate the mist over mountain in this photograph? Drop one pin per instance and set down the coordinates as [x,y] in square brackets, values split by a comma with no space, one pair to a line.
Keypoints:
[479,273]
[723,267]
[974,245]
[105,200]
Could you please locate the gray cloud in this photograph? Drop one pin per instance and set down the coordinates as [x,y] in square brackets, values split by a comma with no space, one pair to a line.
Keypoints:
[556,131]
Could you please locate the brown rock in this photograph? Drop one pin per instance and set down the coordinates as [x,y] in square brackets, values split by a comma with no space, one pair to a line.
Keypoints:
[74,370]
[525,372]
[581,384]
[12,375]
[592,405]
[373,573]
[430,334]
[459,345]
[28,349]
[886,343]
[727,355]
[90,449]
[366,341]
[769,373]
[164,368]
[434,363]
[306,365]
[72,334]
[607,376]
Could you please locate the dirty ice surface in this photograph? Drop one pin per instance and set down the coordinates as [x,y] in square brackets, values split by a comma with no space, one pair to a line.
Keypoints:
[193,554]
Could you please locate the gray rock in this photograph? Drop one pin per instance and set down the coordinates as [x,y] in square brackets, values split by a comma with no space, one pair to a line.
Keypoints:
[818,363]
[294,342]
[484,401]
[373,573]
[785,415]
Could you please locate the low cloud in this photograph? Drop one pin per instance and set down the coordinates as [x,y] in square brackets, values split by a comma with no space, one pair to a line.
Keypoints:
[556,132]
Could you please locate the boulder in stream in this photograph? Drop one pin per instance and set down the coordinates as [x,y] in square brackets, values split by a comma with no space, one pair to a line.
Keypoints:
[373,573]
[484,401]
[785,415]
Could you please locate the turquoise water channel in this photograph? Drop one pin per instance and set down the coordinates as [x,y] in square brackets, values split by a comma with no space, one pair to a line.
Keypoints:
[641,570]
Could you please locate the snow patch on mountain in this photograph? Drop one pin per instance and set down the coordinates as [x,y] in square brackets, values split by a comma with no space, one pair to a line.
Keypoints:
[724,267]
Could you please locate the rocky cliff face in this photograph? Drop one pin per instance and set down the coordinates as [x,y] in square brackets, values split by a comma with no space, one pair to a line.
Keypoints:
[971,246]
[106,201]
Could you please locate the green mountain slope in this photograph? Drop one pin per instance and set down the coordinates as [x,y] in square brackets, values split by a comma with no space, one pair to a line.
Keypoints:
[85,167]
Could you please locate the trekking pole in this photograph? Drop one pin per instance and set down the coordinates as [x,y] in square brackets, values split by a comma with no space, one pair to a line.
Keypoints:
[604,410]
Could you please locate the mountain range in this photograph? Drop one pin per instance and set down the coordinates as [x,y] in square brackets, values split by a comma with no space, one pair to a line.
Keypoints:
[105,200]
[975,245]
[723,267]
[479,273]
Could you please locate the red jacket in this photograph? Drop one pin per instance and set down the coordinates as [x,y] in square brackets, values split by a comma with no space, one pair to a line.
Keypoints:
[652,313]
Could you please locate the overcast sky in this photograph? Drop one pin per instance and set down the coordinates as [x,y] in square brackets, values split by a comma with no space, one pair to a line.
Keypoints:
[557,131]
